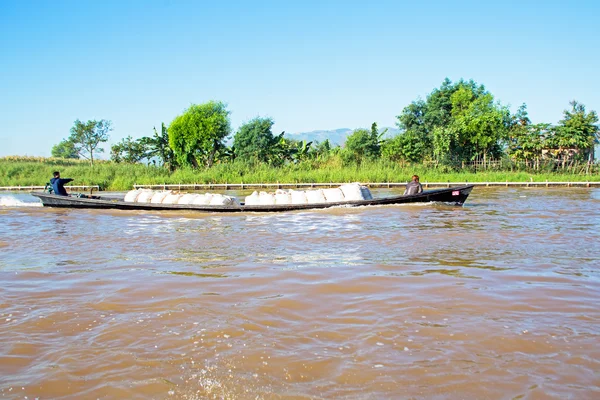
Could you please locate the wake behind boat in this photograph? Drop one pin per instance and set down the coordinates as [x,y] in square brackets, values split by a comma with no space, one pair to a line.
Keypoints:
[454,196]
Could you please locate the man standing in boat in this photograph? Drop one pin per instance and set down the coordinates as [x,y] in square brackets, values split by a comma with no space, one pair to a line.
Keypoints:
[413,187]
[58,184]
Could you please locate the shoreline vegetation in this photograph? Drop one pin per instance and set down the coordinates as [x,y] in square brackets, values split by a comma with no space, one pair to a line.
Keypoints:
[459,133]
[111,176]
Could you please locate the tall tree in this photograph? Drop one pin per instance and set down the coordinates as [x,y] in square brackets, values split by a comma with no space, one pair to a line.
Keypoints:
[578,130]
[363,144]
[65,149]
[458,122]
[290,150]
[414,142]
[480,126]
[254,140]
[128,151]
[527,142]
[198,134]
[158,146]
[87,136]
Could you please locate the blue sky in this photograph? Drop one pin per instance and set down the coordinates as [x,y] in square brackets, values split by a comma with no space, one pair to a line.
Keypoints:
[309,65]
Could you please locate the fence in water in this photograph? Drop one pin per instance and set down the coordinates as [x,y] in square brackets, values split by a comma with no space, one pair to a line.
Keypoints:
[426,185]
[279,185]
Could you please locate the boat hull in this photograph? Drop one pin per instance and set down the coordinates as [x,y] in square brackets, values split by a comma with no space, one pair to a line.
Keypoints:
[454,195]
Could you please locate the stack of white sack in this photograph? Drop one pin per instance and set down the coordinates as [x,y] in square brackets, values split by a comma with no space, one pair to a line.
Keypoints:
[346,192]
[170,197]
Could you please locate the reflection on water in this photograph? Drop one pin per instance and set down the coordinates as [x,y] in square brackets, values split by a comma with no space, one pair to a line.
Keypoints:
[497,299]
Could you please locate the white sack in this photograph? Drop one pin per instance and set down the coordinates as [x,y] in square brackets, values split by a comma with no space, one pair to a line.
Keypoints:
[283,197]
[158,197]
[315,196]
[145,196]
[253,199]
[220,200]
[171,198]
[132,195]
[298,197]
[202,200]
[333,195]
[187,198]
[266,199]
[352,192]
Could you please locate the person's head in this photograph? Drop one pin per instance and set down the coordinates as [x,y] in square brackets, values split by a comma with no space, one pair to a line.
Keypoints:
[56,174]
[415,178]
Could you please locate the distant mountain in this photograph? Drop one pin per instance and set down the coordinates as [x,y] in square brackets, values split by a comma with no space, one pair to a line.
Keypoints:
[336,136]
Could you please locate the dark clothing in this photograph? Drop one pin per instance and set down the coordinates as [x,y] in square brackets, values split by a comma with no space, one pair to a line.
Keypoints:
[58,185]
[413,187]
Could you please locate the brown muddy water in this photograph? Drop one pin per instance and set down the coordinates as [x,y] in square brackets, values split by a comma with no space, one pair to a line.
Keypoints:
[498,299]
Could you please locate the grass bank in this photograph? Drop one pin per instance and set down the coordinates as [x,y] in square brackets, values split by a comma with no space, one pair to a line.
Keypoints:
[28,171]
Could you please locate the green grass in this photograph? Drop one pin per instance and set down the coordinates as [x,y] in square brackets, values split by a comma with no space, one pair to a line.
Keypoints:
[21,171]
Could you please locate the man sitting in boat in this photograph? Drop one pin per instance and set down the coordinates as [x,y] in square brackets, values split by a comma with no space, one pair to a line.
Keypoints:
[58,184]
[413,187]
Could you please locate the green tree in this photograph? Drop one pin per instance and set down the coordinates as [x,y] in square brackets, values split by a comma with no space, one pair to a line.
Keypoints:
[321,150]
[363,144]
[458,122]
[526,141]
[128,151]
[291,150]
[479,125]
[527,144]
[578,130]
[405,146]
[414,142]
[87,136]
[65,149]
[254,141]
[158,146]
[198,134]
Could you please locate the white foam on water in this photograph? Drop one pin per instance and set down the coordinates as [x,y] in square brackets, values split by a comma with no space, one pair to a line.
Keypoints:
[11,201]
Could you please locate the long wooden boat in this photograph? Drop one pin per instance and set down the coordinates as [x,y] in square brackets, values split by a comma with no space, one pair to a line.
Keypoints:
[454,196]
